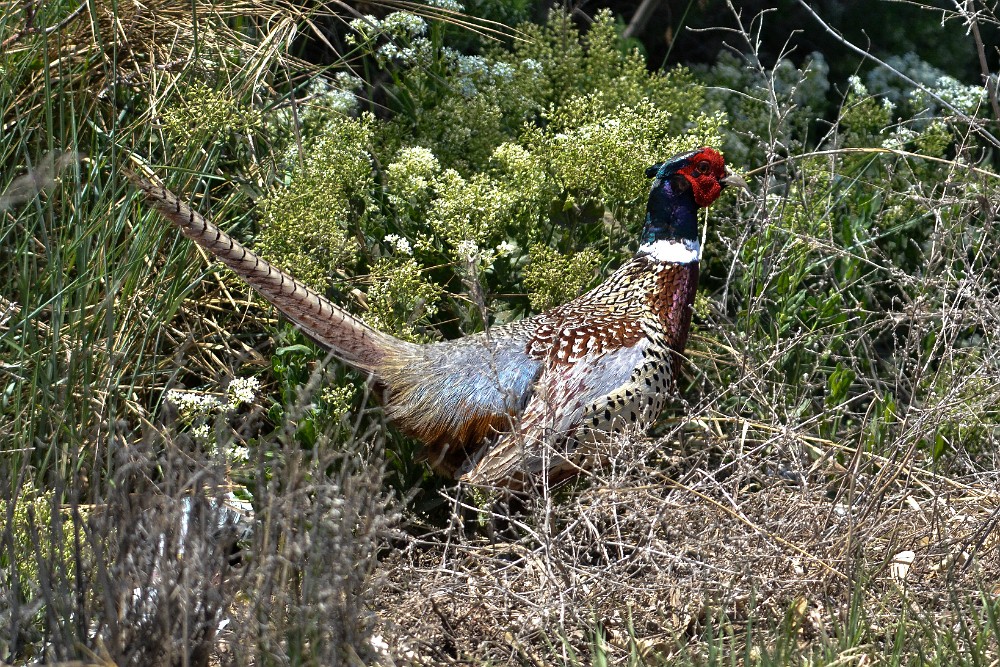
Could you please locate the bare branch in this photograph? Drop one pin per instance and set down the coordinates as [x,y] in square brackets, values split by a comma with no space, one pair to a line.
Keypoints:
[989,81]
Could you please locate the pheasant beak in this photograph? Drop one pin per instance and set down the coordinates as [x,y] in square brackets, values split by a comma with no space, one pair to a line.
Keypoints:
[734,179]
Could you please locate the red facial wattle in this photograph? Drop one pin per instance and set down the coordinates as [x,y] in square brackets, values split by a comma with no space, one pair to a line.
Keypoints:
[704,171]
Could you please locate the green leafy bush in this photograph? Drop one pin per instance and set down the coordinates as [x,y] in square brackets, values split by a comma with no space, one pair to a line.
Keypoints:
[307,224]
[485,156]
[553,278]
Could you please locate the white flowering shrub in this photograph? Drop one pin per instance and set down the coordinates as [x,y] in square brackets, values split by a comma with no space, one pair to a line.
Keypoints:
[483,157]
[307,225]
[197,410]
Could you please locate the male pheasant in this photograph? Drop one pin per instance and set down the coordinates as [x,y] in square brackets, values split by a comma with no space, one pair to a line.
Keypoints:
[524,401]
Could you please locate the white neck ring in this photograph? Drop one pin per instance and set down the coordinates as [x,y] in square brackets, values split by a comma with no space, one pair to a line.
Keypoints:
[674,251]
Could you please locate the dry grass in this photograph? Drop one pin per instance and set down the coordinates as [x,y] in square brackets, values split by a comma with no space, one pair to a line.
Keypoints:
[650,559]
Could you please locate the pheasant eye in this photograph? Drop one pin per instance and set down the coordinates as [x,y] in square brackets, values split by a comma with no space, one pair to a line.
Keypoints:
[704,167]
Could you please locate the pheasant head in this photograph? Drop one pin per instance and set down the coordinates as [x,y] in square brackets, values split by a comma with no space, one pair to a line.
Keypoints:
[681,186]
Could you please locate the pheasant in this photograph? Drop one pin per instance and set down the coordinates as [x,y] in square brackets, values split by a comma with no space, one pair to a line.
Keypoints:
[528,400]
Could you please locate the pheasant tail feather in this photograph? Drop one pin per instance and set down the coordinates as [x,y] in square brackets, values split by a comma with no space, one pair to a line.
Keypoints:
[348,338]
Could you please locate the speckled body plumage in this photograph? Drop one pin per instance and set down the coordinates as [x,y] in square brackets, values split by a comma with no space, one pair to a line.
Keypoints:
[523,401]
[607,362]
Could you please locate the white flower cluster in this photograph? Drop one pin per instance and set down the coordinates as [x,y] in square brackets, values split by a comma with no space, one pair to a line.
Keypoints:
[242,390]
[238,454]
[367,26]
[448,5]
[502,71]
[399,244]
[506,249]
[532,65]
[473,255]
[469,65]
[899,138]
[884,81]
[473,69]
[337,95]
[342,101]
[194,403]
[412,174]
[407,46]
[405,56]
[404,24]
[195,407]
[348,81]
[399,25]
[856,87]
[417,161]
[468,251]
[957,94]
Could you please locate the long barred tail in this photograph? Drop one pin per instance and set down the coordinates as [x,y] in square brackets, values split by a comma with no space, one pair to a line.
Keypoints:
[346,336]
